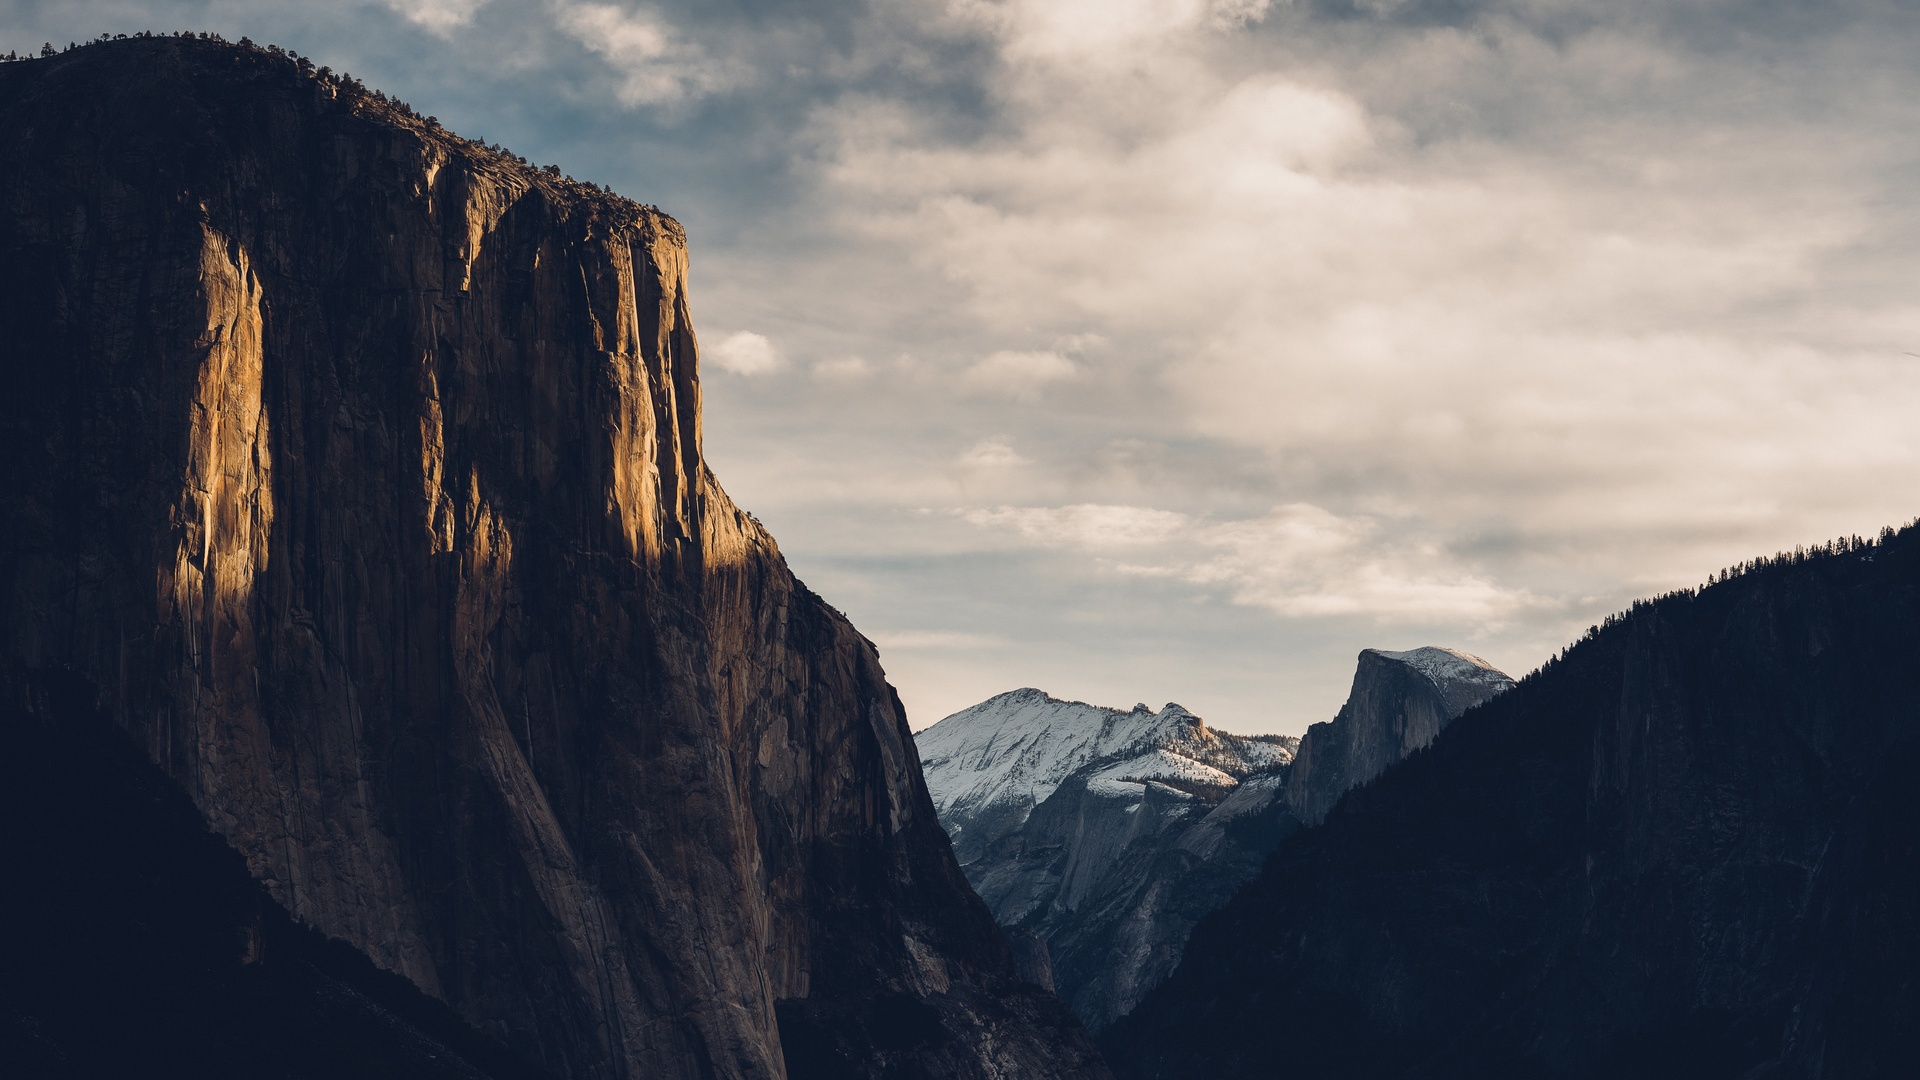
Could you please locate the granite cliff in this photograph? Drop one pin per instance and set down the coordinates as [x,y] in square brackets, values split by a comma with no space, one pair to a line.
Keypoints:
[354,471]
[1684,848]
[1109,834]
[1398,703]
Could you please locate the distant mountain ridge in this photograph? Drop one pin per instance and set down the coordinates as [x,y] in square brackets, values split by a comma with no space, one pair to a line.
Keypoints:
[989,766]
[1684,848]
[1108,834]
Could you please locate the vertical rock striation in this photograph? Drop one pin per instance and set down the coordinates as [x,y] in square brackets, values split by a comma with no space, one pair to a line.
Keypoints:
[357,470]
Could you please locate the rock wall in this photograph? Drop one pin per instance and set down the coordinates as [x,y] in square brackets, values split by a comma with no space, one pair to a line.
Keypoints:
[1398,703]
[1072,821]
[1113,877]
[1115,935]
[1683,849]
[1115,883]
[357,468]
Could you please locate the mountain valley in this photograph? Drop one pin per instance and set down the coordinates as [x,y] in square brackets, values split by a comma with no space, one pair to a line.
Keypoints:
[1683,848]
[389,688]
[1109,834]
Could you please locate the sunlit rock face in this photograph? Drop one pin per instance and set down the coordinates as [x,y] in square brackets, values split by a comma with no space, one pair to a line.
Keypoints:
[1684,848]
[357,470]
[1110,833]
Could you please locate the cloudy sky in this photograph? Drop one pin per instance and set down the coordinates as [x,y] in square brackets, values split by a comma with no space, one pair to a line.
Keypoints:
[1150,350]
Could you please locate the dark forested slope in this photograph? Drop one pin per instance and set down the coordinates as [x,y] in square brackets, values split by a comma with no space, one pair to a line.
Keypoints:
[1686,848]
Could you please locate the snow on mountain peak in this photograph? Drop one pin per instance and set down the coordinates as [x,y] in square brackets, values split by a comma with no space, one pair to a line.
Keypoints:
[1443,666]
[1159,765]
[1010,752]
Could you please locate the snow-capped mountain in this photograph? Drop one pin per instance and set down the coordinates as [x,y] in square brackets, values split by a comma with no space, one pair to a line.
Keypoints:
[1110,833]
[988,766]
[1460,677]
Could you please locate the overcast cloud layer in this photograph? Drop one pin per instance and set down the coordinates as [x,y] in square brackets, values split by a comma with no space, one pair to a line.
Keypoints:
[1178,349]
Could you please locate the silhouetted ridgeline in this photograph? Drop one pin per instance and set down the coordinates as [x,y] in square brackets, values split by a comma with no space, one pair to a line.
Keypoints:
[1686,847]
[354,472]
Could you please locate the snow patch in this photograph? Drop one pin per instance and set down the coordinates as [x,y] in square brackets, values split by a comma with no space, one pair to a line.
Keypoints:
[1010,752]
[1442,665]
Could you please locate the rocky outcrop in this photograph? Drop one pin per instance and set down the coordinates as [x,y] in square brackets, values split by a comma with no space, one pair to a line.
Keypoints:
[1068,819]
[356,471]
[1112,833]
[1399,702]
[1684,848]
[1118,930]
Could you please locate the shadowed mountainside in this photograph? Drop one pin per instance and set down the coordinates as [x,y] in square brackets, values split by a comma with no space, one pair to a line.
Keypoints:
[354,469]
[137,945]
[1147,822]
[1683,849]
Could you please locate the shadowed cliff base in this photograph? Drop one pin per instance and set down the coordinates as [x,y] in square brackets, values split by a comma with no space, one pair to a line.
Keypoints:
[1685,848]
[137,945]
[357,467]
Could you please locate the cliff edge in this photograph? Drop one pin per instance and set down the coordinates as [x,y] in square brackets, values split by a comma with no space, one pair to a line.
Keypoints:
[1398,703]
[356,470]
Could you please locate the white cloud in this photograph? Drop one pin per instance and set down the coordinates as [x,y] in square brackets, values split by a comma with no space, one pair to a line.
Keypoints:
[440,16]
[657,65]
[1019,375]
[842,369]
[1505,321]
[992,453]
[1087,526]
[1298,560]
[1619,342]
[1226,14]
[1107,31]
[1543,305]
[746,353]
